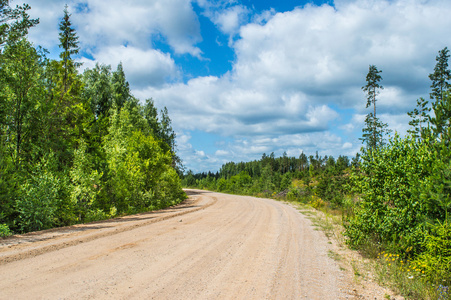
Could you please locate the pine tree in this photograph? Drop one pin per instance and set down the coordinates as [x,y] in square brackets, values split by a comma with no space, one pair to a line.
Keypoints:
[373,133]
[69,43]
[372,87]
[441,94]
[440,76]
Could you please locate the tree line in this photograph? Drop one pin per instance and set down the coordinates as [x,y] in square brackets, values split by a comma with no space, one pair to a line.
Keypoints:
[75,147]
[292,177]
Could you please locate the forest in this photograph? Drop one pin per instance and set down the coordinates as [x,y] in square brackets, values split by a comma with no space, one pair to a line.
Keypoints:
[394,195]
[75,147]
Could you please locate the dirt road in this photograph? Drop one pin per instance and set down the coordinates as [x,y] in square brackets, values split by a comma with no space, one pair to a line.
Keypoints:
[215,246]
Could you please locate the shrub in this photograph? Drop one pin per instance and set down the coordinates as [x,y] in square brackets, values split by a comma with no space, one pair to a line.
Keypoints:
[38,203]
[435,261]
[393,183]
[4,230]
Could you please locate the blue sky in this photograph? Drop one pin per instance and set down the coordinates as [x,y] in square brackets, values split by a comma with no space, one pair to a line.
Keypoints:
[245,77]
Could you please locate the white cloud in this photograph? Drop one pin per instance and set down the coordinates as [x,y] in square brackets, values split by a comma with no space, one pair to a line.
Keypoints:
[296,71]
[46,33]
[347,145]
[144,67]
[200,153]
[228,16]
[296,78]
[230,20]
[222,153]
[138,23]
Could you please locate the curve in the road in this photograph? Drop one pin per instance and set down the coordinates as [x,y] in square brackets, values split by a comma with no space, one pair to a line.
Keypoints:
[219,247]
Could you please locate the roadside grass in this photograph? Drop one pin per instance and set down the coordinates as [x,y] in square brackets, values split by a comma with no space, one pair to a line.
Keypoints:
[387,269]
[404,277]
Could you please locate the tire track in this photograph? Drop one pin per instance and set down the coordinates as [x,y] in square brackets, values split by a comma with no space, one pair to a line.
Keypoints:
[239,248]
[26,252]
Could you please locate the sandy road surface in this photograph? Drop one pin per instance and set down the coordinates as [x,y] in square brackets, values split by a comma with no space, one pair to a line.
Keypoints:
[215,246]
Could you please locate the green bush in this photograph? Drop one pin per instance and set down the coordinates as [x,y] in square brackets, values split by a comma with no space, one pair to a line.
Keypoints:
[435,261]
[171,188]
[39,202]
[9,180]
[85,182]
[96,215]
[293,194]
[4,230]
[395,183]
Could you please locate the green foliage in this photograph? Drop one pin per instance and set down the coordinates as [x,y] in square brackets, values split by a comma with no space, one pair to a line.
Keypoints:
[392,182]
[441,120]
[8,191]
[98,90]
[139,170]
[189,180]
[14,22]
[74,148]
[20,64]
[69,43]
[65,114]
[419,119]
[85,182]
[441,75]
[97,215]
[435,261]
[170,187]
[332,187]
[39,199]
[291,178]
[68,38]
[374,130]
[404,187]
[405,190]
[4,230]
[120,87]
[372,86]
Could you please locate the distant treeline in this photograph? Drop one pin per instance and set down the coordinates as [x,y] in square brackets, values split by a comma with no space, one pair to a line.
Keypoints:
[297,178]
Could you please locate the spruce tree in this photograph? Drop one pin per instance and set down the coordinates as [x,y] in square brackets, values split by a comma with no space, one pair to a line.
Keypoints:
[120,87]
[69,43]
